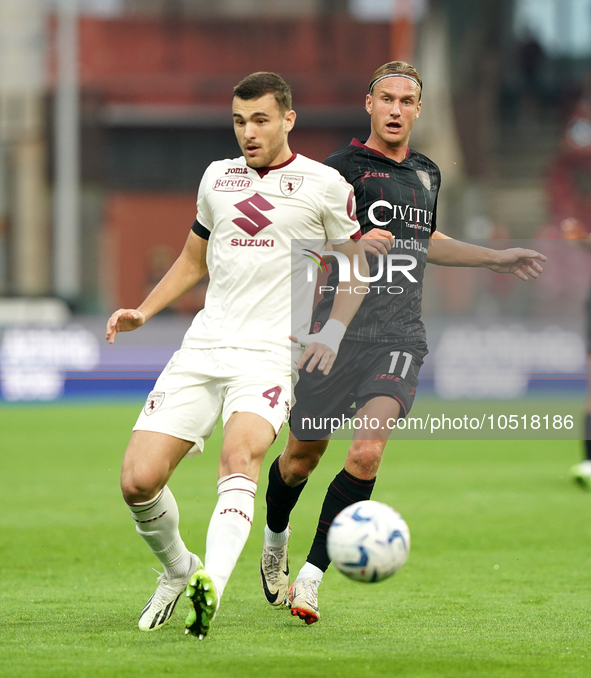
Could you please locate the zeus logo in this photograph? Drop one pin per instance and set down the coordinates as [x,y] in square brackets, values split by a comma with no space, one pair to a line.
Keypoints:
[395,263]
[252,209]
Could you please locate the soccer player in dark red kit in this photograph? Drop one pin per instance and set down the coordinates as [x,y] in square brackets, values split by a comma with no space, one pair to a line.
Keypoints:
[383,349]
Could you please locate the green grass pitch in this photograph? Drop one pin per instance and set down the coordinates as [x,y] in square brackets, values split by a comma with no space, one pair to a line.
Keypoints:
[498,581]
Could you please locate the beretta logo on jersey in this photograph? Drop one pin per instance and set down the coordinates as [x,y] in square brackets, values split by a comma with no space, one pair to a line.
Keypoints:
[290,183]
[232,184]
[424,178]
[153,402]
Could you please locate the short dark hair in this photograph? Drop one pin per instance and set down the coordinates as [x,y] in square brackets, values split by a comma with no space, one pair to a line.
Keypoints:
[256,85]
[397,68]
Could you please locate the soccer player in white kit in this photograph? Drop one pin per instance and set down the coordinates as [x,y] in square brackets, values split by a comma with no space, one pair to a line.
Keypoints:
[236,359]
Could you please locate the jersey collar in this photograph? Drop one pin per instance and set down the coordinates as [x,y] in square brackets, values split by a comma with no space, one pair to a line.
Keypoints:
[358,144]
[263,171]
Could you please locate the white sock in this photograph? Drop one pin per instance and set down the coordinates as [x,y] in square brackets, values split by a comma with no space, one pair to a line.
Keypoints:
[229,527]
[276,538]
[157,521]
[310,571]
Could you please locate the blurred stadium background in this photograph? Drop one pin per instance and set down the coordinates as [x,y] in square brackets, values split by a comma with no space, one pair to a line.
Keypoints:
[110,110]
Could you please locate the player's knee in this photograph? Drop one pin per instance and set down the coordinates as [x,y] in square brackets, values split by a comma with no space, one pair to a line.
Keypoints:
[365,457]
[243,460]
[299,469]
[137,489]
[236,464]
[299,460]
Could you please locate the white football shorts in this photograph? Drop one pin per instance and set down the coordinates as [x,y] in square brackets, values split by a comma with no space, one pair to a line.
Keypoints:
[199,384]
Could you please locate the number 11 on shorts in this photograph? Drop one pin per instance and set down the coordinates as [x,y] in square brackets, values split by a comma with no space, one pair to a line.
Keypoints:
[407,361]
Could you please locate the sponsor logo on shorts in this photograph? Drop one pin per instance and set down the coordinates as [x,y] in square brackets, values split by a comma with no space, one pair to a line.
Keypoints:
[232,184]
[155,399]
[389,377]
[290,183]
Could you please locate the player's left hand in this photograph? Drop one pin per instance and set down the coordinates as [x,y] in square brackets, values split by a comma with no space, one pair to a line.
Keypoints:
[377,241]
[521,262]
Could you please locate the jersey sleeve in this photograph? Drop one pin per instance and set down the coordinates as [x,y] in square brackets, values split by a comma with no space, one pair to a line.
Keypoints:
[203,224]
[434,217]
[339,162]
[339,210]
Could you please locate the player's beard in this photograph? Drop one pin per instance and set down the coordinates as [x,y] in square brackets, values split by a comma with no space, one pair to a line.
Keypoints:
[275,146]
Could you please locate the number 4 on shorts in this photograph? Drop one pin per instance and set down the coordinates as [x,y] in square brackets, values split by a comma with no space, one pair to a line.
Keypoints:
[273,395]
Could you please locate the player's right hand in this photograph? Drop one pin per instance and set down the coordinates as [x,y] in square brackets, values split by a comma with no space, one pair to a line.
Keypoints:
[316,354]
[124,320]
[377,241]
[321,347]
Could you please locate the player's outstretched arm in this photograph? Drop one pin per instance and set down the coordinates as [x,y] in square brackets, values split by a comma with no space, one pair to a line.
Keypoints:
[523,263]
[186,271]
[322,348]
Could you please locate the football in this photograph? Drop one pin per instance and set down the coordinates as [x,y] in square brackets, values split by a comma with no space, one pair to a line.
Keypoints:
[368,541]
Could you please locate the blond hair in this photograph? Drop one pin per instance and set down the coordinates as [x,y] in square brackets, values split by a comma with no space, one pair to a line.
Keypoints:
[397,68]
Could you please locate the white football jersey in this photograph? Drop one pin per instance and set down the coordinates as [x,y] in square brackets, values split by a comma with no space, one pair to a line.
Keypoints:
[251,217]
